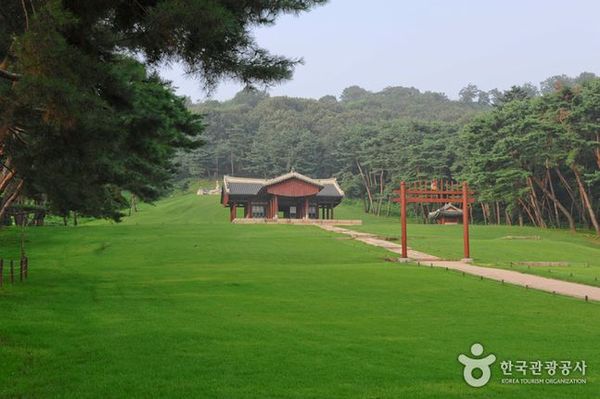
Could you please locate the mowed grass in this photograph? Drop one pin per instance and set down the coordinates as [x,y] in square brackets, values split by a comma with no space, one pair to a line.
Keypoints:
[177,302]
[497,245]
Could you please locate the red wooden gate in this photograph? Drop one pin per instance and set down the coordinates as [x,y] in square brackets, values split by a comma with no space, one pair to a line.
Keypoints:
[436,191]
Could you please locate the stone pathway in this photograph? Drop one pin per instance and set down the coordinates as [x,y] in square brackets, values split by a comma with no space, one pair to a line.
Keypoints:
[508,276]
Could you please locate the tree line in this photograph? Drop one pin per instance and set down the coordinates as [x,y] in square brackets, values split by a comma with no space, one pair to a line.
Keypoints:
[532,155]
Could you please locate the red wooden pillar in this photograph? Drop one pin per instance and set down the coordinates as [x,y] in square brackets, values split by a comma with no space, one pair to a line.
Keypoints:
[403,219]
[305,212]
[232,211]
[249,209]
[275,206]
[465,206]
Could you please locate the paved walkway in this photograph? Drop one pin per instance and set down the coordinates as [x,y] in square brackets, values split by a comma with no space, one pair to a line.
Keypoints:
[508,276]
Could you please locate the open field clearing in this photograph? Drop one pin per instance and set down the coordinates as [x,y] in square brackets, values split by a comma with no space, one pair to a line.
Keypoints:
[177,302]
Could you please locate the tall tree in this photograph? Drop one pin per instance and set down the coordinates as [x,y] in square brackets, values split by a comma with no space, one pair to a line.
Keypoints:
[62,84]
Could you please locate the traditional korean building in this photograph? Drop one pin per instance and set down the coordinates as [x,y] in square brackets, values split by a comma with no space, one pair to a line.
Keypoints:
[448,214]
[289,196]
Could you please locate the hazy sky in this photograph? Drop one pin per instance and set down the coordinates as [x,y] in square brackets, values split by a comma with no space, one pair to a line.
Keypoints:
[428,44]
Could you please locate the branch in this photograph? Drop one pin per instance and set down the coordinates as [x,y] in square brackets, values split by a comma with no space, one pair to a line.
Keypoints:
[9,75]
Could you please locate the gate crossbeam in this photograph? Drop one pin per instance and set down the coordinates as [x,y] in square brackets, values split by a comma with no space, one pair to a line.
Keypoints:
[437,191]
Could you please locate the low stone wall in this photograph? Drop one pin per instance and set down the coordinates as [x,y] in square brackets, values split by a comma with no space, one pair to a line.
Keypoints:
[330,222]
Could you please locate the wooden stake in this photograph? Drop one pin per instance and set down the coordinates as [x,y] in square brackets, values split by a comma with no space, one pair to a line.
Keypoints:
[403,218]
[465,193]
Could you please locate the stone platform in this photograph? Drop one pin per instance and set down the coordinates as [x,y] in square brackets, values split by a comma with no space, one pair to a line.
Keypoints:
[318,222]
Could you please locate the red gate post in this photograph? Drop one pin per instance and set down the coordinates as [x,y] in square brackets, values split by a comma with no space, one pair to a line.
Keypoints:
[305,212]
[249,209]
[232,211]
[465,206]
[403,218]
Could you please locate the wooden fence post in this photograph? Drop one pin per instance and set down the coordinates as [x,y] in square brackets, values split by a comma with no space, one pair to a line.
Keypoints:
[403,219]
[465,205]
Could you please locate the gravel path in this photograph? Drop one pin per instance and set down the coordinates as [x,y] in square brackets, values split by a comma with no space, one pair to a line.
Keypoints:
[508,276]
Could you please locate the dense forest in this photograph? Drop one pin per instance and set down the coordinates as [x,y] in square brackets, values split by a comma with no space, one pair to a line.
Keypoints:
[531,153]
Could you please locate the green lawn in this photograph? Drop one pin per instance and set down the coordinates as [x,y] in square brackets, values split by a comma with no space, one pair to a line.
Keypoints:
[177,302]
[497,246]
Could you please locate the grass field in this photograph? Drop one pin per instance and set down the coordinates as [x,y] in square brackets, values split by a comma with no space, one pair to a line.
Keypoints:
[177,302]
[498,246]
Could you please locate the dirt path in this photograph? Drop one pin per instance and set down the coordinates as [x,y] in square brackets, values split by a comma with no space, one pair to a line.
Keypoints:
[508,276]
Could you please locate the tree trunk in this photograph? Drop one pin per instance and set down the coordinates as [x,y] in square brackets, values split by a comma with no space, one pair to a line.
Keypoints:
[520,218]
[11,199]
[549,177]
[535,204]
[557,203]
[507,217]
[483,212]
[380,202]
[597,149]
[366,184]
[497,212]
[586,199]
[569,191]
[528,211]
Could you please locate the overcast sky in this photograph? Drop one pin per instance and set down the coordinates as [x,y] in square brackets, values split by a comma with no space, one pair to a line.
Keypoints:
[437,45]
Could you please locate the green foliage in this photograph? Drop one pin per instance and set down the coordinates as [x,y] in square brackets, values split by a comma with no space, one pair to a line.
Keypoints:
[533,158]
[530,153]
[80,121]
[257,135]
[85,161]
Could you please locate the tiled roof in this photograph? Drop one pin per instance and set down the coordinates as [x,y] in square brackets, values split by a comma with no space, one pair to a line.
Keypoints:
[447,210]
[250,186]
[244,188]
[291,175]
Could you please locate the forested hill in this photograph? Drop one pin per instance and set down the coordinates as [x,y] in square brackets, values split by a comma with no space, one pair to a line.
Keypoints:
[533,156]
[257,135]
